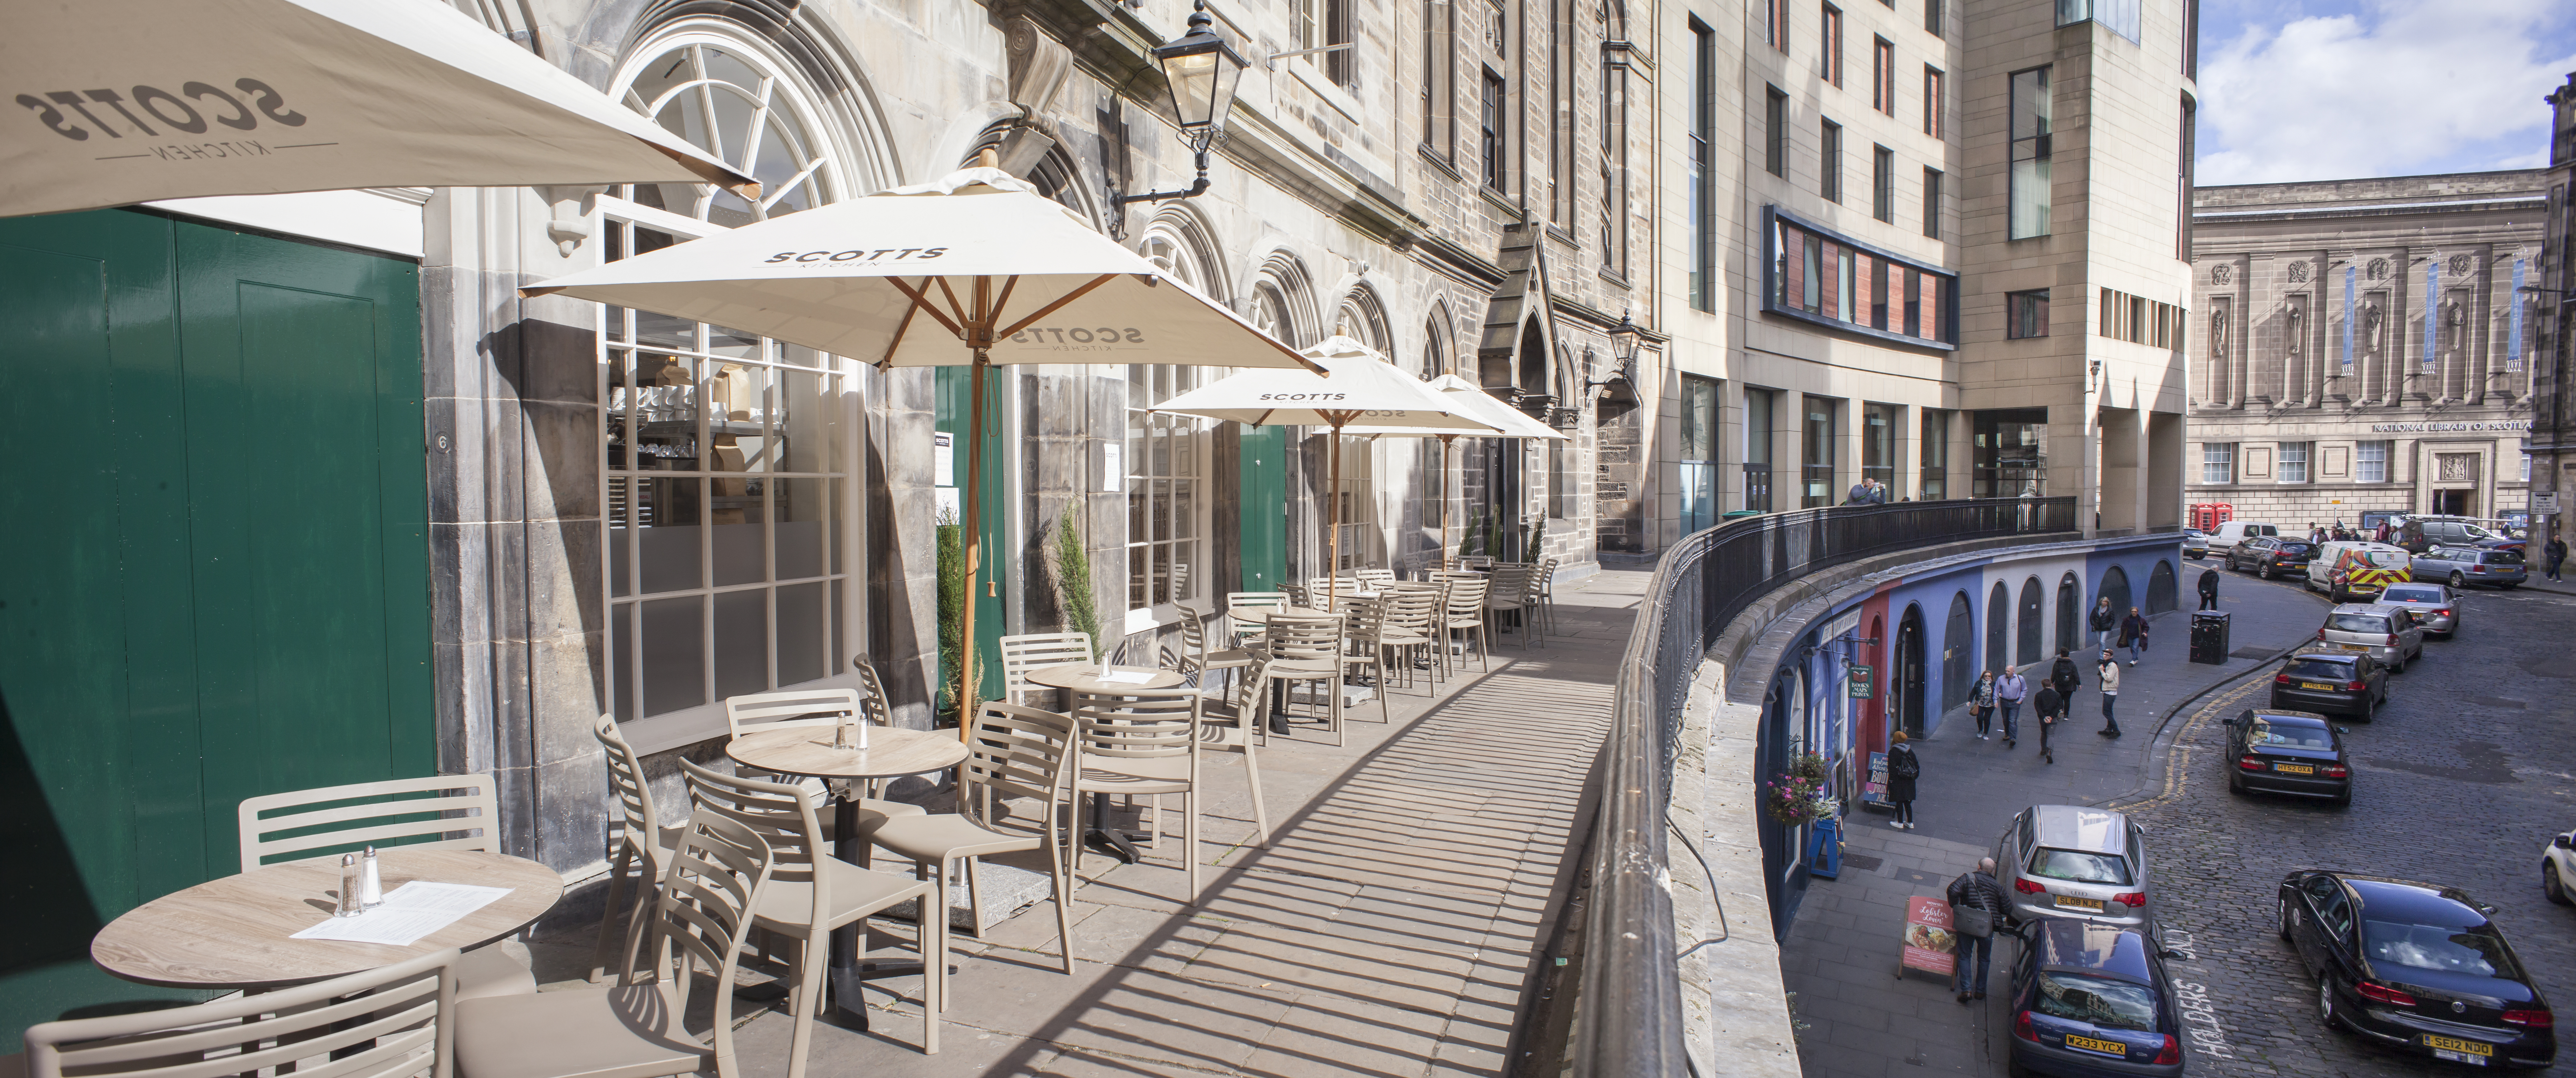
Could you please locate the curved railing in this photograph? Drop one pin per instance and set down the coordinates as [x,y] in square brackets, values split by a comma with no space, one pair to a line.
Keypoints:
[1627,991]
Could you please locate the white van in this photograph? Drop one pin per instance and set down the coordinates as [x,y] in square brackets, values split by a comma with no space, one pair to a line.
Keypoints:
[2230,533]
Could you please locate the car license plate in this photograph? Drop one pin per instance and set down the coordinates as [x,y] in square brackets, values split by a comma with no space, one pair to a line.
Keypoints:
[2090,1045]
[2317,685]
[2352,647]
[2071,902]
[2466,1051]
[2294,769]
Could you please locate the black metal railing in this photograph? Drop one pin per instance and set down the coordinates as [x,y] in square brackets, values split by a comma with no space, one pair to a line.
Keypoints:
[1627,991]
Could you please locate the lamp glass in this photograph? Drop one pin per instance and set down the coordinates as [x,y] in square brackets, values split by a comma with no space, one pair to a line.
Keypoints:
[1624,339]
[1201,70]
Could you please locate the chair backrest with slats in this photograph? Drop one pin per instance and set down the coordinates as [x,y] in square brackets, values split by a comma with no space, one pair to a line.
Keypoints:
[1410,609]
[1194,642]
[627,788]
[781,813]
[1475,561]
[457,812]
[1373,579]
[1510,584]
[1037,651]
[873,701]
[1255,600]
[1303,640]
[789,707]
[1137,723]
[703,917]
[1016,752]
[1467,597]
[389,1022]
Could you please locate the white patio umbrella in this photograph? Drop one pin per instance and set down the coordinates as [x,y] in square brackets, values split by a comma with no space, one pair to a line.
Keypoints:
[128,101]
[1358,385]
[972,269]
[1510,421]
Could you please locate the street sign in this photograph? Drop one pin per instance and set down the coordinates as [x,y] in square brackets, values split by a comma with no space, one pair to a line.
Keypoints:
[2544,502]
[1863,682]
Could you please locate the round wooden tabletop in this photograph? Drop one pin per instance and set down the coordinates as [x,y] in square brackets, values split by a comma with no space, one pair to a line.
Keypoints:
[807,750]
[233,932]
[1078,677]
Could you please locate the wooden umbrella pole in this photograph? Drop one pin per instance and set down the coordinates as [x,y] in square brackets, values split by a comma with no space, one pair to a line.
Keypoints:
[967,685]
[1333,523]
[1445,439]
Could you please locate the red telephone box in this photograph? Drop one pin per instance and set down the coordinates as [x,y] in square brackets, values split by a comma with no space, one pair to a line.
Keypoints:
[2207,516]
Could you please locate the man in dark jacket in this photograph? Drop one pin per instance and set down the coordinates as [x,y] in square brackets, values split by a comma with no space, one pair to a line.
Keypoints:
[2209,589]
[2062,675]
[2051,706]
[2555,553]
[2133,634]
[1976,890]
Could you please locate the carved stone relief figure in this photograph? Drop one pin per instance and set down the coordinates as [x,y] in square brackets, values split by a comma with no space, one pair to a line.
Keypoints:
[2455,337]
[2298,273]
[2374,335]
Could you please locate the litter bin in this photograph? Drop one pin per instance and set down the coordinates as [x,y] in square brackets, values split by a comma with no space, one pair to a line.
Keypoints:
[2209,637]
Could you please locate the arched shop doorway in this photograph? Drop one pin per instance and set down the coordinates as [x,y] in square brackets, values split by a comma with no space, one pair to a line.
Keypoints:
[2115,587]
[2160,588]
[2070,611]
[1958,652]
[1998,627]
[2026,634]
[1909,680]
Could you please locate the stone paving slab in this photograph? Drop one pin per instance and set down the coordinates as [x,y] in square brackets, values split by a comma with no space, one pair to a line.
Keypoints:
[1387,929]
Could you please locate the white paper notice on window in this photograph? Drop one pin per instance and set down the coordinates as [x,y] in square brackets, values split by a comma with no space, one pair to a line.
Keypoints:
[1126,677]
[409,912]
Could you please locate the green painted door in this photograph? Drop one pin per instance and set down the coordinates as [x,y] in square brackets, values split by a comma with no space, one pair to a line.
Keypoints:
[1263,471]
[218,573]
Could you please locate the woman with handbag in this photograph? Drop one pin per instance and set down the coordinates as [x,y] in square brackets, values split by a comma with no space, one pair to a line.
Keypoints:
[1981,700]
[1976,906]
[1903,767]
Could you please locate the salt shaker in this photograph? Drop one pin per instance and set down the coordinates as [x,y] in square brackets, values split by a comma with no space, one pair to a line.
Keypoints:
[371,885]
[349,885]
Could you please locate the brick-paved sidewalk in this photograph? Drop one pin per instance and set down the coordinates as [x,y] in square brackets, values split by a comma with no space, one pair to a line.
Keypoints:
[1859,1019]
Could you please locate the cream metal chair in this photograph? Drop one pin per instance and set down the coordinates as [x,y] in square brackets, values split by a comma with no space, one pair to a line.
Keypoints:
[720,871]
[1016,752]
[389,1022]
[1196,661]
[1233,724]
[811,893]
[1508,596]
[1141,742]
[1251,600]
[642,843]
[1544,581]
[468,815]
[1365,629]
[1465,617]
[1304,650]
[1406,627]
[1374,579]
[1036,651]
[823,709]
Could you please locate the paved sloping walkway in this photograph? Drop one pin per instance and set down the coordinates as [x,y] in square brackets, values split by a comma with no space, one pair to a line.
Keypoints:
[1389,928]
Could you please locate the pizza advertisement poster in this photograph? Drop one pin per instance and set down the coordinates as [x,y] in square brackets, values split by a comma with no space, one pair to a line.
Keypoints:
[1929,937]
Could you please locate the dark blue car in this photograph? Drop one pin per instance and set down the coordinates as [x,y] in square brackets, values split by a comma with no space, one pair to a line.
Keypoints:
[2092,1001]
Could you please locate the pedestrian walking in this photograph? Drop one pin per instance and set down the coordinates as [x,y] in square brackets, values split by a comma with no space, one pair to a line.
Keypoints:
[2062,675]
[1981,701]
[2051,706]
[2315,533]
[2102,621]
[2010,689]
[2109,670]
[1903,767]
[2209,589]
[1976,908]
[2133,634]
[2380,534]
[2556,552]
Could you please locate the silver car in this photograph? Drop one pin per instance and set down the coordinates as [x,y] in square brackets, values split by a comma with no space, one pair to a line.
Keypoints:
[2388,633]
[2195,543]
[2433,606]
[2464,565]
[2074,861]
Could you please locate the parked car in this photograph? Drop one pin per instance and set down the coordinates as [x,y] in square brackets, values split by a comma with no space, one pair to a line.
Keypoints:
[2456,531]
[2093,999]
[2319,678]
[2195,543]
[2462,566]
[2346,568]
[2236,531]
[2558,869]
[2388,633]
[2415,966]
[2268,557]
[2074,861]
[2287,752]
[2433,606]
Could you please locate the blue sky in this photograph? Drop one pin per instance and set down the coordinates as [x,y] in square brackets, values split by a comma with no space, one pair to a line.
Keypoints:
[2335,89]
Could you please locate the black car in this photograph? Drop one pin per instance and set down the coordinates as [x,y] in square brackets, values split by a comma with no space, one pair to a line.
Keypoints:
[2287,752]
[2417,966]
[2091,1000]
[2271,556]
[2331,682]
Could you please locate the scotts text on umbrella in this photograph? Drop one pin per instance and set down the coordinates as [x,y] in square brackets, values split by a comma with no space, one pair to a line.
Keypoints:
[1304,396]
[173,110]
[1078,335]
[862,255]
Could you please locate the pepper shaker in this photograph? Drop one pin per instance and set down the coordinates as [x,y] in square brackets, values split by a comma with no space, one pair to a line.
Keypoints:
[349,884]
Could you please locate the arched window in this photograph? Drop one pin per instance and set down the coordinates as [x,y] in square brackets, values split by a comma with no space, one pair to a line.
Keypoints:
[1283,304]
[1958,652]
[2115,587]
[2160,588]
[1435,344]
[2070,612]
[1166,455]
[2027,638]
[1362,319]
[1998,627]
[726,462]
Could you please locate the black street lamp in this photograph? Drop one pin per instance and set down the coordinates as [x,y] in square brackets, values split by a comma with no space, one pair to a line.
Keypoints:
[1625,339]
[1200,69]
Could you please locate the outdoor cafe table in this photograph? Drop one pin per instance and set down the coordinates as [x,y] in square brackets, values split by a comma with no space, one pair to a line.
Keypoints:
[1085,678]
[891,753]
[1254,615]
[234,932]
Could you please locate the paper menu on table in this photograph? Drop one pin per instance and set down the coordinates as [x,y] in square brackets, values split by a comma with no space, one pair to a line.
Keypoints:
[410,912]
[1126,677]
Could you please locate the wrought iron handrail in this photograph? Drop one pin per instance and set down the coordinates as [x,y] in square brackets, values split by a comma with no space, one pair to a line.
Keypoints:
[1627,991]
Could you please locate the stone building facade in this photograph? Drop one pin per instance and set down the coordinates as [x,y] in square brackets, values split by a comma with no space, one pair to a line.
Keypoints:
[2553,428]
[1934,244]
[2366,345]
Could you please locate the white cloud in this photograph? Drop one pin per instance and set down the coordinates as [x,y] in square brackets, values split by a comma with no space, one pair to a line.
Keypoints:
[2402,87]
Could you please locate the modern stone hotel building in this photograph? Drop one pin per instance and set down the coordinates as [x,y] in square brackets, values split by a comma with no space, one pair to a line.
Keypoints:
[2366,345]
